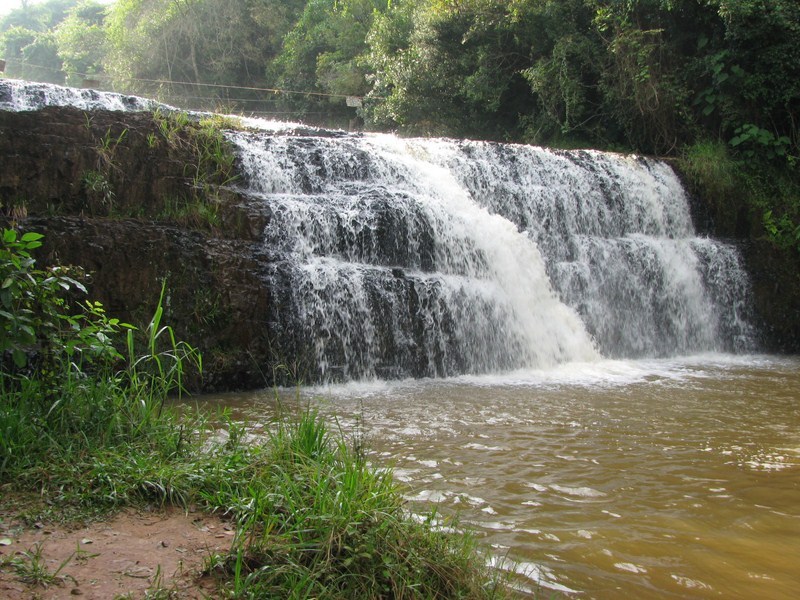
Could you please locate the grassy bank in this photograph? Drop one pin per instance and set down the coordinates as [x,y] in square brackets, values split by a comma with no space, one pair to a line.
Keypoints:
[84,427]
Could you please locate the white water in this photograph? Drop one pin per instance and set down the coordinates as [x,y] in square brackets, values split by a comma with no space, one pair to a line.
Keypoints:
[19,95]
[522,257]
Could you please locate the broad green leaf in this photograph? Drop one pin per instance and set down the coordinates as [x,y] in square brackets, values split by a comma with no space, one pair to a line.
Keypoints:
[31,236]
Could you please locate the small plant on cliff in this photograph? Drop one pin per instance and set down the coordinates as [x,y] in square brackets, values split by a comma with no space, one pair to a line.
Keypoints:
[212,164]
[201,213]
[214,158]
[98,190]
[97,182]
[107,149]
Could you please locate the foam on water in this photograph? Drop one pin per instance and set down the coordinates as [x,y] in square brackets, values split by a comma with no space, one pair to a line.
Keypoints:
[601,373]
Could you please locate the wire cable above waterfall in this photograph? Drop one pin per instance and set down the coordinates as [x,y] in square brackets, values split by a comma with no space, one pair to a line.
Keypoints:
[269,90]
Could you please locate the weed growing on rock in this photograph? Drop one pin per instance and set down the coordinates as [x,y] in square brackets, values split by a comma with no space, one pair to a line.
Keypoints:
[211,168]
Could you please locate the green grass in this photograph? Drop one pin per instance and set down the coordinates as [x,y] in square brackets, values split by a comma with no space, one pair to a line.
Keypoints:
[198,212]
[712,169]
[210,167]
[31,567]
[313,518]
[213,162]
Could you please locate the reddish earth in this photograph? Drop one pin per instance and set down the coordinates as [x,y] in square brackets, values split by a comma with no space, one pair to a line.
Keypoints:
[126,556]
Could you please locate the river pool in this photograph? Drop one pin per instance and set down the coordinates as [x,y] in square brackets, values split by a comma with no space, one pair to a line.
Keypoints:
[673,478]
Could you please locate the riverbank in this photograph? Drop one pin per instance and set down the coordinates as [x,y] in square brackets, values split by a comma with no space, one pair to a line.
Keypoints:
[300,514]
[86,432]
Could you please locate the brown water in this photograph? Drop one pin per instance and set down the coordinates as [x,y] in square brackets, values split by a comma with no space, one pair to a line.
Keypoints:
[658,479]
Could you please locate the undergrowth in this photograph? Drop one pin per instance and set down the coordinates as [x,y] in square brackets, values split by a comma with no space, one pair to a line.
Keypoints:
[768,190]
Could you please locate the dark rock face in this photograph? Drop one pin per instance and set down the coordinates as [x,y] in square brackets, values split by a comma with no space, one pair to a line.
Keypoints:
[50,154]
[775,276]
[774,272]
[123,235]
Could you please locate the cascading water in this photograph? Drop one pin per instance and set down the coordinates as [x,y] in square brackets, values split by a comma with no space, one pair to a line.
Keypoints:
[390,268]
[429,258]
[619,246]
[22,95]
[432,258]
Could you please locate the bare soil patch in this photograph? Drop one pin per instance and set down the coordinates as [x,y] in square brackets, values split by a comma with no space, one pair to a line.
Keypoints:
[123,557]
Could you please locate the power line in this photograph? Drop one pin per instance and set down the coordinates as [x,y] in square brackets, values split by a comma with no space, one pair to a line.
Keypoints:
[102,77]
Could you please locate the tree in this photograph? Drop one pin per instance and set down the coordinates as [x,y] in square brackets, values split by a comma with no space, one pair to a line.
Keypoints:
[81,41]
[27,41]
[447,67]
[31,55]
[323,55]
[153,43]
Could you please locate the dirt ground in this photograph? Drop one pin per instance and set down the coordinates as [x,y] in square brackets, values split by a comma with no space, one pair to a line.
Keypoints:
[130,555]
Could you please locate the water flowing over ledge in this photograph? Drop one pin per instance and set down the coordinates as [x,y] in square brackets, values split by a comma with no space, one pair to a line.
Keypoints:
[436,258]
[392,258]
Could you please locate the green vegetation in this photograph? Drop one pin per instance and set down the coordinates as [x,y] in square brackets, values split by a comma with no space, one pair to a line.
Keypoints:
[85,429]
[31,567]
[214,157]
[187,211]
[212,165]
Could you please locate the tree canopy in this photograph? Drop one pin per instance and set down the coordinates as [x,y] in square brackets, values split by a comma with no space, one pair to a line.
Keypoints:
[663,77]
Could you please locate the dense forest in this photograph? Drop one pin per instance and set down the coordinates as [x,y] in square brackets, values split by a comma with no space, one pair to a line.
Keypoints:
[714,84]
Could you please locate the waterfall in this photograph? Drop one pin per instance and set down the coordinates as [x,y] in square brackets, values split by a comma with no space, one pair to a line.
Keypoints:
[19,95]
[389,258]
[619,246]
[393,257]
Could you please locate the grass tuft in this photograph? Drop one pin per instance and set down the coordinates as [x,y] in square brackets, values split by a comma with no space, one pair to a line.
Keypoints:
[315,520]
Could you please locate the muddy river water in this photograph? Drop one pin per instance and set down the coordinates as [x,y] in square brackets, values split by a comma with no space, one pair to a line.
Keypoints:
[621,479]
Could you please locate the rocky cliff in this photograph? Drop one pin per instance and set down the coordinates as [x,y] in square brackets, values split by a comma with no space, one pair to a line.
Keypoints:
[774,272]
[120,194]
